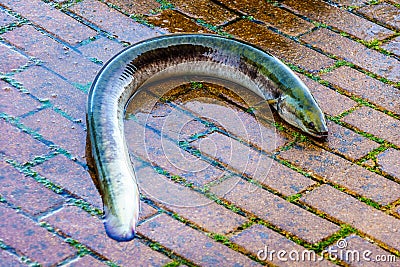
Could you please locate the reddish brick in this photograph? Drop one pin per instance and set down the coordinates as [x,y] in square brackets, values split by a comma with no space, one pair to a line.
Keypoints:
[108,19]
[57,57]
[271,15]
[18,145]
[15,103]
[393,46]
[388,162]
[10,59]
[354,52]
[364,86]
[384,13]
[275,210]
[70,176]
[345,208]
[376,123]
[57,129]
[30,239]
[345,21]
[342,172]
[279,46]
[187,203]
[89,231]
[191,244]
[8,259]
[86,261]
[51,19]
[135,7]
[102,49]
[265,243]
[6,19]
[146,211]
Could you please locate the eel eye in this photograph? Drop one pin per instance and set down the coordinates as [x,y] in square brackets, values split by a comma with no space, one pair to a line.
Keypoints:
[311,125]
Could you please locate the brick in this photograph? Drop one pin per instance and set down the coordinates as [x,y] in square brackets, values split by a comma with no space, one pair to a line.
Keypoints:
[393,46]
[272,15]
[275,210]
[8,259]
[283,48]
[146,211]
[187,203]
[6,19]
[182,240]
[30,239]
[57,129]
[18,145]
[350,3]
[89,231]
[51,19]
[265,243]
[340,19]
[46,85]
[376,123]
[372,222]
[25,192]
[365,253]
[257,166]
[337,170]
[102,49]
[204,10]
[62,60]
[70,176]
[15,103]
[136,7]
[346,142]
[383,13]
[366,87]
[354,52]
[86,261]
[112,21]
[10,59]
[388,162]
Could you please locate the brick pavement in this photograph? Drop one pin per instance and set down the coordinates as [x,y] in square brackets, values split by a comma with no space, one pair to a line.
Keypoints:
[219,187]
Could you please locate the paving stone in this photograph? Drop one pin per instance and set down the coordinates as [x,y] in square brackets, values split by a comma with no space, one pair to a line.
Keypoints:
[266,244]
[337,170]
[57,129]
[11,60]
[110,20]
[343,20]
[354,52]
[135,7]
[279,46]
[347,209]
[384,13]
[46,85]
[6,19]
[18,145]
[366,87]
[271,15]
[70,176]
[51,19]
[15,103]
[393,46]
[376,123]
[146,211]
[89,231]
[191,244]
[389,162]
[86,261]
[102,49]
[30,239]
[357,251]
[275,210]
[8,259]
[350,3]
[187,203]
[62,60]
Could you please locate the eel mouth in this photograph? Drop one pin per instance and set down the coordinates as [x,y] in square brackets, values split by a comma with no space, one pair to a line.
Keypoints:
[321,135]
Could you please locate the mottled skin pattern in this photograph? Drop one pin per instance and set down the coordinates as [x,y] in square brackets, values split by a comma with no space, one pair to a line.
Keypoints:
[197,54]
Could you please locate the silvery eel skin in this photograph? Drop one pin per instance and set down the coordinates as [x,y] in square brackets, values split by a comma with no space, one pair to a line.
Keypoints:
[180,54]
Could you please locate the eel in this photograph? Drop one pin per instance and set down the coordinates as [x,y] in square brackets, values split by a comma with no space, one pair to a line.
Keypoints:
[178,54]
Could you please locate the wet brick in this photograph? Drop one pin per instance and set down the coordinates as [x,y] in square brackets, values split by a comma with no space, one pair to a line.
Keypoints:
[347,209]
[366,87]
[51,19]
[383,13]
[337,170]
[376,123]
[275,210]
[135,7]
[393,46]
[10,59]
[110,20]
[271,15]
[343,20]
[279,46]
[6,19]
[18,145]
[8,259]
[354,52]
[70,176]
[388,162]
[191,244]
[102,49]
[86,261]
[187,203]
[260,238]
[89,231]
[30,239]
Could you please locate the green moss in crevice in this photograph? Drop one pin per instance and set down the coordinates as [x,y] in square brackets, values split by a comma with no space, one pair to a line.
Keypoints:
[82,249]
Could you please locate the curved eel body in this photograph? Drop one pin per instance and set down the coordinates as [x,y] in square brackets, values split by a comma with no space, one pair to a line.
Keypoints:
[180,54]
